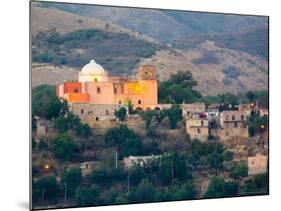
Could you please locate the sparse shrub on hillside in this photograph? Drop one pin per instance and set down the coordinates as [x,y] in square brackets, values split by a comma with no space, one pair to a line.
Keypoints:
[207,58]
[232,72]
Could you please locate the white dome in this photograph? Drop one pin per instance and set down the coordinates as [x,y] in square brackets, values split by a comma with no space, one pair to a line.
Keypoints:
[92,68]
[92,72]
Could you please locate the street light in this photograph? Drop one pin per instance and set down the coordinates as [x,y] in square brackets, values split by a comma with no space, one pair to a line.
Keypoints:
[46,167]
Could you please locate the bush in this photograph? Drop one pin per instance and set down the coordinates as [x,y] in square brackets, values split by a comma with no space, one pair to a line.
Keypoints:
[121,113]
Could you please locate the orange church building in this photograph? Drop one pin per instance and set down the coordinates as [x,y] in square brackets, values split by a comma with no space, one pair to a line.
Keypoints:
[94,86]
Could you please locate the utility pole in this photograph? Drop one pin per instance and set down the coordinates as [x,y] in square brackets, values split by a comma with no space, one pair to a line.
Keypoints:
[116,158]
[42,194]
[172,169]
[128,177]
[65,192]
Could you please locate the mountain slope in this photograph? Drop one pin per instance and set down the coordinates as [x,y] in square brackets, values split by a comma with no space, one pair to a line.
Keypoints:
[166,25]
[217,70]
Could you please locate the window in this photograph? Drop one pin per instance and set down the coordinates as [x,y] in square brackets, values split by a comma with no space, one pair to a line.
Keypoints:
[202,123]
[119,102]
[198,130]
[107,112]
[115,90]
[87,166]
[75,90]
[97,119]
[82,111]
[139,102]
[235,124]
[242,117]
[233,117]
[98,90]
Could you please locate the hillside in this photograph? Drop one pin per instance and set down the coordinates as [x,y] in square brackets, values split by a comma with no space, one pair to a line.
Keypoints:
[158,23]
[46,19]
[227,62]
[61,38]
[216,69]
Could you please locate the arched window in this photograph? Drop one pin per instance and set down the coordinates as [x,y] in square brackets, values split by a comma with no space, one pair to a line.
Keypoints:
[233,117]
[139,102]
[242,117]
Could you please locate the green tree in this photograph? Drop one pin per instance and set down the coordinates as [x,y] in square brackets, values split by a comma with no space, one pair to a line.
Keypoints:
[60,124]
[239,170]
[63,147]
[87,195]
[42,145]
[258,184]
[215,161]
[46,187]
[71,179]
[173,166]
[83,130]
[45,102]
[174,115]
[219,188]
[144,192]
[125,139]
[183,78]
[121,113]
[136,175]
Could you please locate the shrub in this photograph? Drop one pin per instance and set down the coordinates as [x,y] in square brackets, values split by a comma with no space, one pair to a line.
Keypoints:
[239,170]
[121,113]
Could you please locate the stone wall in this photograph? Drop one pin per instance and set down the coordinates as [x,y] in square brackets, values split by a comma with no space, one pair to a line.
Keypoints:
[257,164]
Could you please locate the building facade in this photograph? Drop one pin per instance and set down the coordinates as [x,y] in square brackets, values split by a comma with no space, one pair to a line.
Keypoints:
[94,86]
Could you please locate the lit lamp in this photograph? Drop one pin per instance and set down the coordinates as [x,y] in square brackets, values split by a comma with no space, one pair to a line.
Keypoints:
[262,126]
[46,167]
